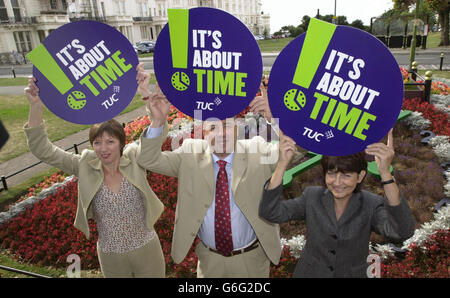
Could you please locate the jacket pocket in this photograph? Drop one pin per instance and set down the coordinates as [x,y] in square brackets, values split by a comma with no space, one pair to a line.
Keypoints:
[311,267]
[359,271]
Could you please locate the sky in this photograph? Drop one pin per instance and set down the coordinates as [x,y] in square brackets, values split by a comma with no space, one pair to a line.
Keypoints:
[291,12]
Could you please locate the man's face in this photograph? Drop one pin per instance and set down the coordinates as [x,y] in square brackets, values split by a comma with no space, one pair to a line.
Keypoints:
[221,135]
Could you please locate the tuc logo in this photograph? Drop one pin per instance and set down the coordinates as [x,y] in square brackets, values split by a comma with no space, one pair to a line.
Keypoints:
[335,89]
[316,136]
[206,59]
[81,67]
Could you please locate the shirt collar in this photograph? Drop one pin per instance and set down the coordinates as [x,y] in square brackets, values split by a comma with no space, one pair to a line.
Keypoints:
[228,159]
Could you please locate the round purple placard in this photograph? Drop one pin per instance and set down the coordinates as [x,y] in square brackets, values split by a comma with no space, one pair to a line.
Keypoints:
[85,71]
[207,63]
[335,89]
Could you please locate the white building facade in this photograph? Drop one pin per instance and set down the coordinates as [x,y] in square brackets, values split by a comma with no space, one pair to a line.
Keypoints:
[25,23]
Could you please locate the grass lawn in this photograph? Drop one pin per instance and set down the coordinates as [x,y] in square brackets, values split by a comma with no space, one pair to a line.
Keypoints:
[145,55]
[7,261]
[436,73]
[273,45]
[13,81]
[433,40]
[14,114]
[13,193]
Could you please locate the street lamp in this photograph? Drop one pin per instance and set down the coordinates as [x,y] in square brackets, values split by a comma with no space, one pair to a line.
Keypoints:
[334,21]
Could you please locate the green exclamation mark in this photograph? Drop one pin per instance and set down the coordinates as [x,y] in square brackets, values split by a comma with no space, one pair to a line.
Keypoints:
[41,58]
[43,61]
[179,44]
[317,39]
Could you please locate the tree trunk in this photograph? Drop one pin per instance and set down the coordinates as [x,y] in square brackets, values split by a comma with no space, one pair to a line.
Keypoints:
[444,22]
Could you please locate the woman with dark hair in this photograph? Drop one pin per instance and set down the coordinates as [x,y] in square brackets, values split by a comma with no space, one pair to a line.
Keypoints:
[340,216]
[112,189]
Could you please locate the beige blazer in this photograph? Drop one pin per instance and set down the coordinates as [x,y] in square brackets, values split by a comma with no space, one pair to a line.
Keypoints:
[192,164]
[88,168]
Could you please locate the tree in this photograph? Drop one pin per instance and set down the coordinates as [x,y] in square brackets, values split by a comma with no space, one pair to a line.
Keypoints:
[292,31]
[342,20]
[359,24]
[305,23]
[266,33]
[442,7]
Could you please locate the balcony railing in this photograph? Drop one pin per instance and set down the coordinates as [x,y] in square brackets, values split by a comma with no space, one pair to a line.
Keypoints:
[53,11]
[86,18]
[142,19]
[21,20]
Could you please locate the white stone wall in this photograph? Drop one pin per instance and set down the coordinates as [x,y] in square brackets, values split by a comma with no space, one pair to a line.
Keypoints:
[120,13]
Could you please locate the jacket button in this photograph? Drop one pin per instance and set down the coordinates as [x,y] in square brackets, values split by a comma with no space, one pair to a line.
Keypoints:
[206,206]
[331,268]
[193,234]
[334,237]
[333,252]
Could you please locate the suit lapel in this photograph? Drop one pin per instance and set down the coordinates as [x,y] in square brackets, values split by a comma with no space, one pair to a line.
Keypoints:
[238,170]
[328,205]
[352,207]
[206,168]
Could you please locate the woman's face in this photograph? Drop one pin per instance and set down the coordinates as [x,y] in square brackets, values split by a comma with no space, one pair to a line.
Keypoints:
[107,148]
[341,184]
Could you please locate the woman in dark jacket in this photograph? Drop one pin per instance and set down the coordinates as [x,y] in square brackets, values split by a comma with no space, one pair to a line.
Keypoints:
[340,217]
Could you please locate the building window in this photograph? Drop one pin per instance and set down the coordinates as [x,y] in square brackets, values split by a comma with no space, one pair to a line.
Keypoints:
[119,7]
[53,4]
[116,7]
[146,11]
[122,6]
[23,41]
[3,12]
[94,6]
[144,33]
[16,10]
[141,10]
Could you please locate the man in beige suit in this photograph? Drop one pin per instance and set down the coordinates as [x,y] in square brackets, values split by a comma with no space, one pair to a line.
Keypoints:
[240,167]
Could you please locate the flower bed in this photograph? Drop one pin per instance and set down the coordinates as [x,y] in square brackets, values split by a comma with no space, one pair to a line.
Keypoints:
[439,119]
[45,234]
[57,177]
[431,260]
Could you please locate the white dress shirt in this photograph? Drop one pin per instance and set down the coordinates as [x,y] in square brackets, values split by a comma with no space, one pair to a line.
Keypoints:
[242,232]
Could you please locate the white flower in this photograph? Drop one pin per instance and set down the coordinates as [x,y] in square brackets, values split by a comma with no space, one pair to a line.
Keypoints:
[295,244]
[438,140]
[447,186]
[441,102]
[416,121]
[441,222]
[442,152]
[384,251]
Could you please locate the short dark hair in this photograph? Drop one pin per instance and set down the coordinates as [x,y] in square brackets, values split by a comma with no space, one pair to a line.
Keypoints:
[354,163]
[113,128]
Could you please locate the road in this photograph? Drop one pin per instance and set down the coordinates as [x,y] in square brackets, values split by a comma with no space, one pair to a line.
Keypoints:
[427,59]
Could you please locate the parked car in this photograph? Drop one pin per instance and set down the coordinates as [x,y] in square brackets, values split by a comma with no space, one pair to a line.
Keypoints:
[145,47]
[136,49]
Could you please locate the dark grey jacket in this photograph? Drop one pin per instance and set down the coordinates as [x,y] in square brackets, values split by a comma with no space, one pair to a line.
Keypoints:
[337,248]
